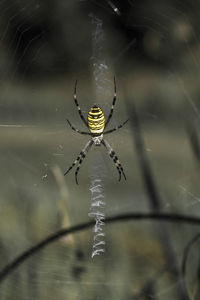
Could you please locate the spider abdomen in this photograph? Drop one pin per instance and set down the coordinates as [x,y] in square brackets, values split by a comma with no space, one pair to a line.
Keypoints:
[96,120]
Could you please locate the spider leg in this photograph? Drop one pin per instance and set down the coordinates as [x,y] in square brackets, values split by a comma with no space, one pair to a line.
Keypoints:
[87,147]
[80,156]
[75,162]
[116,128]
[78,107]
[77,169]
[116,161]
[113,104]
[77,130]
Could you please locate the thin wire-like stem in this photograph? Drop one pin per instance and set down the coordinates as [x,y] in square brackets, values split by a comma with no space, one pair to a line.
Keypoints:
[155,204]
[149,286]
[194,142]
[175,218]
[147,174]
[187,251]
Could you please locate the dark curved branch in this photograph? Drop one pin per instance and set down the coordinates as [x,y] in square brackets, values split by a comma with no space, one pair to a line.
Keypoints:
[9,268]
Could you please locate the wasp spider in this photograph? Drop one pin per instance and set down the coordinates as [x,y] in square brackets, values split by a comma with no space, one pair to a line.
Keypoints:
[96,124]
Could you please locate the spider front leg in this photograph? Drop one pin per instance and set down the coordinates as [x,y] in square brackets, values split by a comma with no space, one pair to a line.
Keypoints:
[115,159]
[113,104]
[77,130]
[116,128]
[78,107]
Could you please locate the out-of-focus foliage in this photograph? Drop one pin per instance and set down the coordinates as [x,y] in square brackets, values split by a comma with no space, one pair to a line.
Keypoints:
[152,47]
[44,38]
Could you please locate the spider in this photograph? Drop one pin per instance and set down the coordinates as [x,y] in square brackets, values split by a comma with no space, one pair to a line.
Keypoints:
[96,124]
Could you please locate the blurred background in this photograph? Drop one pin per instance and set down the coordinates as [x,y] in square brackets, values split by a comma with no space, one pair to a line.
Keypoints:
[153,50]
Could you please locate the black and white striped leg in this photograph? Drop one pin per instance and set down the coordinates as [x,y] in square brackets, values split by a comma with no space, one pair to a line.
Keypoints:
[117,127]
[74,163]
[77,169]
[81,155]
[84,152]
[78,107]
[77,130]
[113,104]
[116,161]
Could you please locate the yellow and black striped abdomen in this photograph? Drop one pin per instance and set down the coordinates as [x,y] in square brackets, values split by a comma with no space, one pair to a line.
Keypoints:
[96,120]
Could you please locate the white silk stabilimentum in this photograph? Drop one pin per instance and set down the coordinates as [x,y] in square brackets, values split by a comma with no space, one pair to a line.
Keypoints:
[100,72]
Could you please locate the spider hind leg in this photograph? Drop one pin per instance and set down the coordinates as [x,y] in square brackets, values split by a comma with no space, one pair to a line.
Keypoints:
[80,158]
[78,168]
[115,159]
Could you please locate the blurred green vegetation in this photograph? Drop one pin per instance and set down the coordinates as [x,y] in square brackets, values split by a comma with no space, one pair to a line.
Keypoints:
[153,50]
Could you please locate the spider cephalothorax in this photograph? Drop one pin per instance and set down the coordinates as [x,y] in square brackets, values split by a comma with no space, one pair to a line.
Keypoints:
[96,125]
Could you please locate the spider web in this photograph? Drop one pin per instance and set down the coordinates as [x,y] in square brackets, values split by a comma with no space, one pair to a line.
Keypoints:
[153,50]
